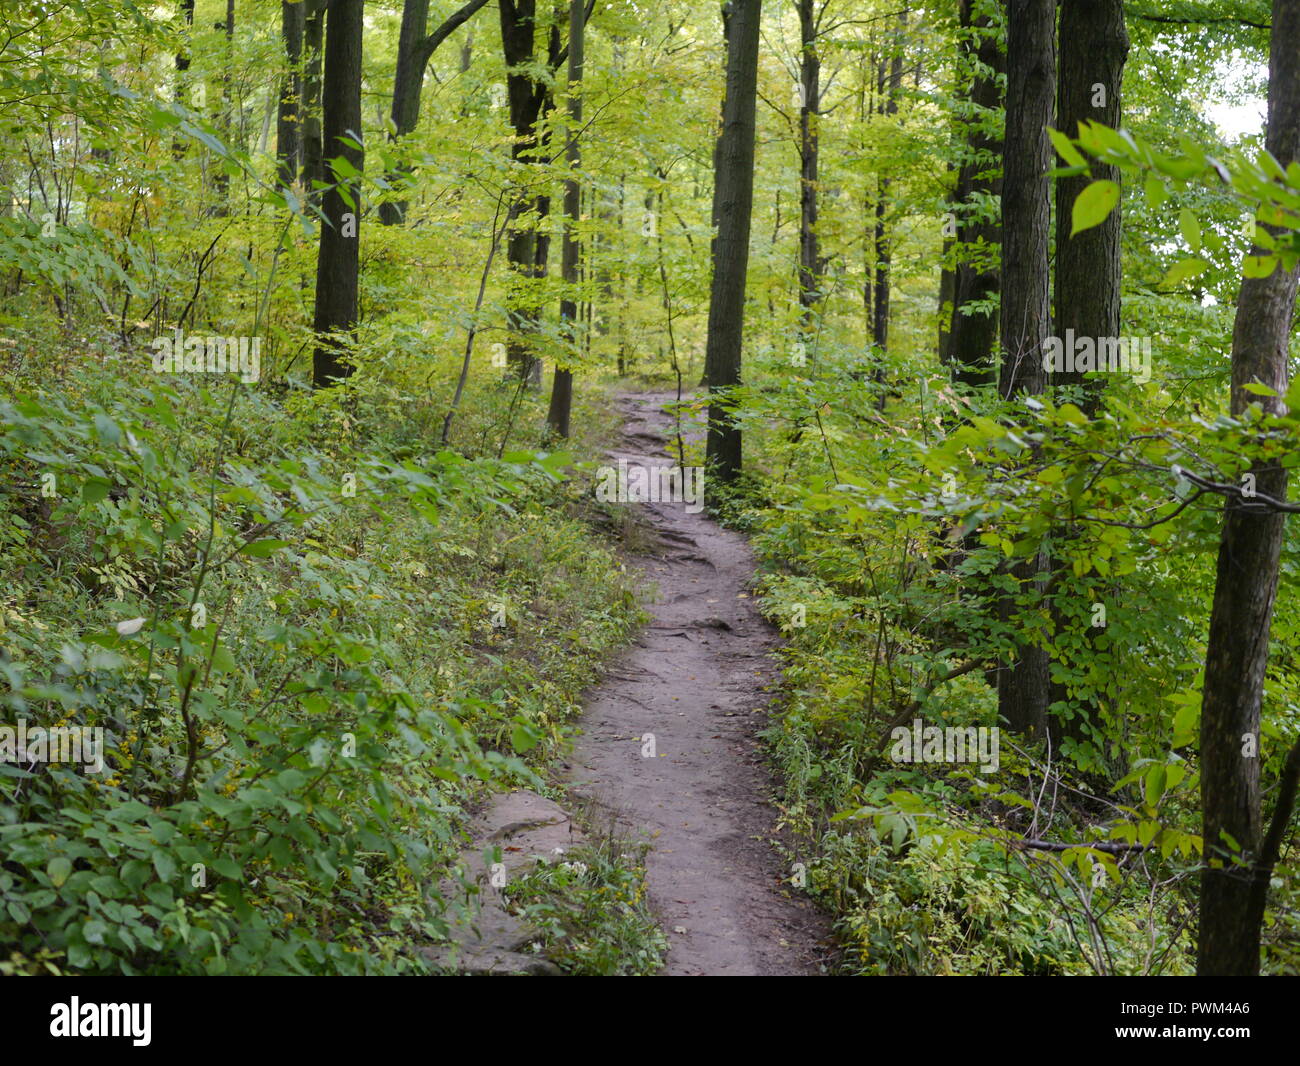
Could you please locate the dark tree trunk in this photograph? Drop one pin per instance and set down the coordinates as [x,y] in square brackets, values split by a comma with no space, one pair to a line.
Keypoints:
[1026,203]
[338,264]
[722,121]
[182,65]
[866,106]
[183,55]
[541,260]
[408,84]
[887,97]
[1231,907]
[972,338]
[557,417]
[811,266]
[414,50]
[717,148]
[221,180]
[1026,217]
[1093,48]
[313,148]
[288,123]
[526,98]
[734,200]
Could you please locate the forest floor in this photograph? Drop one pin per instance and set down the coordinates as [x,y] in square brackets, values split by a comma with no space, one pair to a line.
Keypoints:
[697,679]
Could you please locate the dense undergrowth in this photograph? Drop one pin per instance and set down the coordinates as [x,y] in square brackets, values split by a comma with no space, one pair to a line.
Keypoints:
[884,554]
[311,639]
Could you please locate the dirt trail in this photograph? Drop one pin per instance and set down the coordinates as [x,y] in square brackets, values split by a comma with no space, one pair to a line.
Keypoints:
[696,680]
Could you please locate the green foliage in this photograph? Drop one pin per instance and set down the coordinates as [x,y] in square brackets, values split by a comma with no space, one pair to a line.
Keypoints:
[293,660]
[592,912]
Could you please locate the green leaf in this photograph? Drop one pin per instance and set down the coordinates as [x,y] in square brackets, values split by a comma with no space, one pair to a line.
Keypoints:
[1155,190]
[95,489]
[107,429]
[1154,784]
[259,549]
[524,738]
[1065,148]
[1259,266]
[164,865]
[59,869]
[1093,205]
[1188,267]
[1190,229]
[227,868]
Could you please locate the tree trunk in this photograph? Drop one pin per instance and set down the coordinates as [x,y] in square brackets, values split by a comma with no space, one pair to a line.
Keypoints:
[221,179]
[288,123]
[1093,48]
[971,338]
[182,55]
[1246,584]
[810,262]
[182,66]
[557,417]
[414,50]
[717,148]
[734,200]
[313,149]
[338,264]
[1026,205]
[866,106]
[525,98]
[887,97]
[1026,215]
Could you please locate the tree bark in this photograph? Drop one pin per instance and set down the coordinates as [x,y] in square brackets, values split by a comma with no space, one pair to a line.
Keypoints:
[972,337]
[1026,205]
[182,66]
[725,12]
[1093,48]
[734,199]
[338,262]
[811,266]
[1025,318]
[557,417]
[1246,583]
[313,149]
[526,98]
[887,95]
[221,180]
[288,123]
[414,50]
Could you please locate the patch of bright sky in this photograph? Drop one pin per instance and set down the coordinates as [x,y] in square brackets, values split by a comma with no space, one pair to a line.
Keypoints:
[1240,111]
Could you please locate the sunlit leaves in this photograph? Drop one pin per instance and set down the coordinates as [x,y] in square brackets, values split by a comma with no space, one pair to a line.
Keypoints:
[1092,205]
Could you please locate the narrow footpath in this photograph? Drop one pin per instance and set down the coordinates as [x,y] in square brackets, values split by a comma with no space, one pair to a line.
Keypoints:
[697,680]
